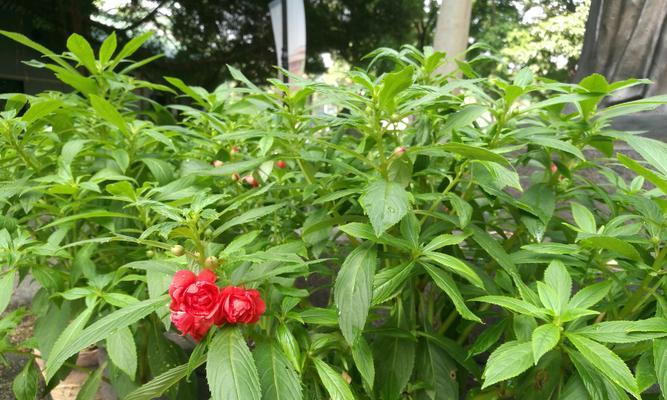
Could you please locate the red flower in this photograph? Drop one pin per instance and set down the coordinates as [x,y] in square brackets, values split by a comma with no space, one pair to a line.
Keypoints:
[191,325]
[250,180]
[195,300]
[238,305]
[281,164]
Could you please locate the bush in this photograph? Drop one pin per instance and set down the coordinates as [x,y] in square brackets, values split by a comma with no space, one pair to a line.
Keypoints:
[396,248]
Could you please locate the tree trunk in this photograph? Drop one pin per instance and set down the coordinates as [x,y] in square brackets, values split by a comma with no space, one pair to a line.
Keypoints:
[451,31]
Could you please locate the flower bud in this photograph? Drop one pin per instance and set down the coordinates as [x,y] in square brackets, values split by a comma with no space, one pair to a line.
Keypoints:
[399,151]
[217,163]
[234,150]
[281,164]
[177,250]
[250,180]
[554,168]
[236,176]
[150,253]
[211,262]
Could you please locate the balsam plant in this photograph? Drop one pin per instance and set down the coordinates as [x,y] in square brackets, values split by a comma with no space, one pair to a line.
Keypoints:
[414,236]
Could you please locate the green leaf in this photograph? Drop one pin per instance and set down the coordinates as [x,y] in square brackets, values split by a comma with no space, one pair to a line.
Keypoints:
[130,47]
[614,244]
[514,305]
[26,383]
[279,381]
[544,338]
[68,336]
[658,181]
[289,345]
[464,117]
[108,48]
[558,144]
[41,109]
[161,383]
[660,362]
[487,338]
[557,277]
[122,351]
[645,372]
[394,363]
[625,331]
[353,290]
[392,84]
[161,169]
[592,381]
[443,240]
[590,295]
[507,361]
[607,362]
[87,215]
[385,203]
[549,298]
[108,112]
[99,330]
[437,371]
[187,90]
[584,219]
[363,360]
[6,289]
[248,216]
[83,52]
[456,266]
[333,381]
[447,284]
[90,388]
[37,47]
[653,151]
[388,282]
[85,85]
[230,369]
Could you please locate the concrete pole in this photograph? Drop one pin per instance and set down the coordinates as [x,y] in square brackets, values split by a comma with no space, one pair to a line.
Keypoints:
[451,31]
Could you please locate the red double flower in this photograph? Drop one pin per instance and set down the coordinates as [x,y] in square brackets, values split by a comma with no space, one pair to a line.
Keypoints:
[197,303]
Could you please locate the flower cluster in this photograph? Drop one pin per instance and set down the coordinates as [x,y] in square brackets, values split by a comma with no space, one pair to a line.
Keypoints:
[197,303]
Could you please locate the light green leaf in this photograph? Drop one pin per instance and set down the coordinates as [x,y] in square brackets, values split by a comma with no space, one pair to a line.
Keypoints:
[123,351]
[6,289]
[161,383]
[456,266]
[590,295]
[99,330]
[333,381]
[464,117]
[607,362]
[279,381]
[549,298]
[108,48]
[507,361]
[108,112]
[83,52]
[363,359]
[385,203]
[660,362]
[614,244]
[444,240]
[557,277]
[39,110]
[353,290]
[130,47]
[447,284]
[545,338]
[230,368]
[584,219]
[26,383]
[248,216]
[161,169]
[91,386]
[514,305]
[392,84]
[187,90]
[659,181]
[87,215]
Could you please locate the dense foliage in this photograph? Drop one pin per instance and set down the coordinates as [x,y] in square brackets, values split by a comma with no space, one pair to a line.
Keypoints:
[413,236]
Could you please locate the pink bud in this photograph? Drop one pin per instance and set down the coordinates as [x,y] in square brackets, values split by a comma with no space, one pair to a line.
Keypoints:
[234,150]
[554,168]
[217,163]
[250,180]
[399,151]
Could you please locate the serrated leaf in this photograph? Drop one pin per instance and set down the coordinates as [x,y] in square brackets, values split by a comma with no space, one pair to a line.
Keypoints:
[385,203]
[607,362]
[279,381]
[80,47]
[230,368]
[6,289]
[544,338]
[447,284]
[26,383]
[590,295]
[363,360]
[161,383]
[108,112]
[123,351]
[333,381]
[514,305]
[100,330]
[456,266]
[353,290]
[660,362]
[507,361]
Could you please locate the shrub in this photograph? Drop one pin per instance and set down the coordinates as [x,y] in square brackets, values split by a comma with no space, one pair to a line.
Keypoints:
[411,235]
